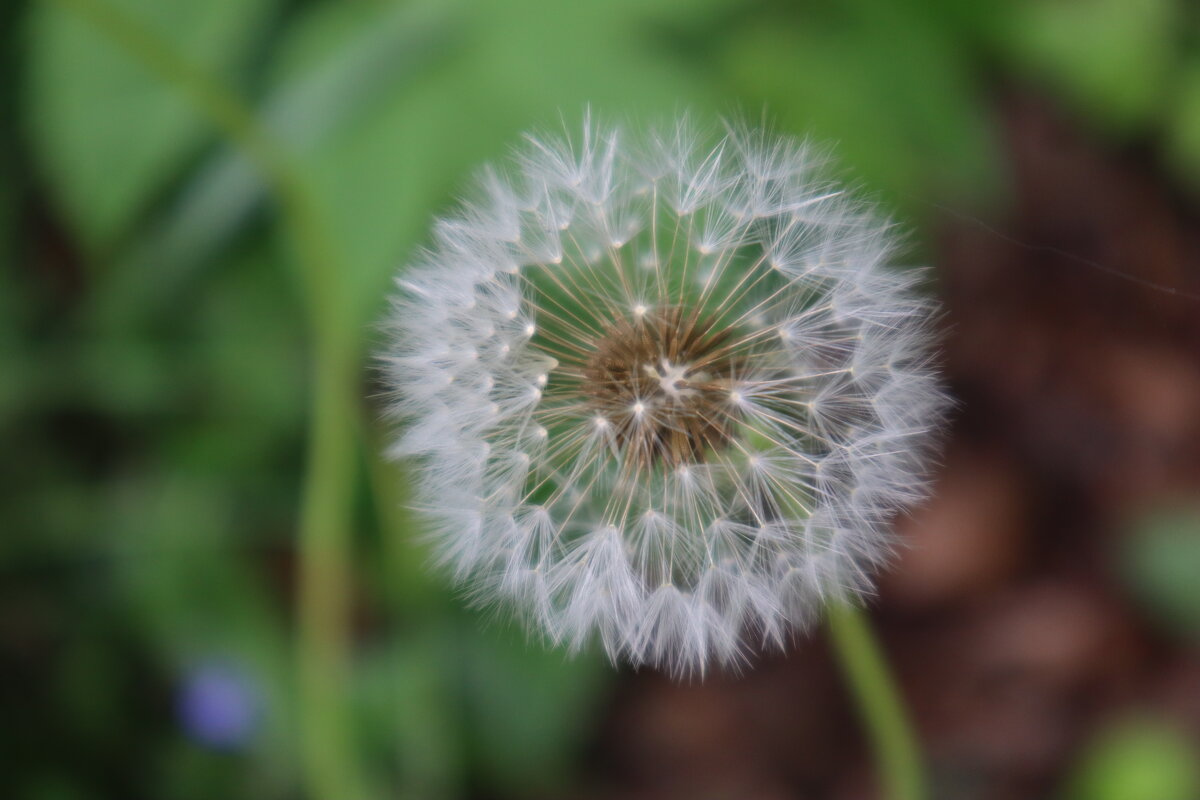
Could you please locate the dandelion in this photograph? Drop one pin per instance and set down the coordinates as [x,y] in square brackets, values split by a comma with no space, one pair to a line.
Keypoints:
[663,395]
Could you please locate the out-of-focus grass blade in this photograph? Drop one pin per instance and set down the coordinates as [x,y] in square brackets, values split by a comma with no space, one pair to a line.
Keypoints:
[344,59]
[107,135]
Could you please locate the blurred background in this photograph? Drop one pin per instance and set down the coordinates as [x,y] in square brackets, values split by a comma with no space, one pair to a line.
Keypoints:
[209,587]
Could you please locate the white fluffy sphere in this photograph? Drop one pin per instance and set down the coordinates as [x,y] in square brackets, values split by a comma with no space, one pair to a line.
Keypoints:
[663,395]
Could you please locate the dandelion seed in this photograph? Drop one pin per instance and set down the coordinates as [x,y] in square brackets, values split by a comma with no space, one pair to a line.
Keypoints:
[732,394]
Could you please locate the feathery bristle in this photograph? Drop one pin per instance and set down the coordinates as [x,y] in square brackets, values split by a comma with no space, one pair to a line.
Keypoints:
[662,396]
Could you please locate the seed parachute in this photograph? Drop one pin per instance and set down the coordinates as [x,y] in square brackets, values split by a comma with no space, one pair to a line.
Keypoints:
[663,393]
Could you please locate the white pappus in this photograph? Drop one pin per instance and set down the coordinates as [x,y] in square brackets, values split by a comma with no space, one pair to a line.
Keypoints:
[663,394]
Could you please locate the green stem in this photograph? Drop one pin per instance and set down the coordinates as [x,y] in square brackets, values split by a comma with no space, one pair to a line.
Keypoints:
[893,740]
[324,583]
[331,770]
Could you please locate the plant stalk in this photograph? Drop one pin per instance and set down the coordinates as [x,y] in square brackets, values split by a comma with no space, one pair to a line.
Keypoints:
[893,740]
[331,770]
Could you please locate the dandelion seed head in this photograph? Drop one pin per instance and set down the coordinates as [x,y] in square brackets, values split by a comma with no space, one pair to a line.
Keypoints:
[664,396]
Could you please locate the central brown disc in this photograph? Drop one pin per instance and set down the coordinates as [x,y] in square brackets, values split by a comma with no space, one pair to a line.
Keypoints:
[663,381]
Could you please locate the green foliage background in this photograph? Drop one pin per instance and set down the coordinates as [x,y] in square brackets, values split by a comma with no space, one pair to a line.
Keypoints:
[161,337]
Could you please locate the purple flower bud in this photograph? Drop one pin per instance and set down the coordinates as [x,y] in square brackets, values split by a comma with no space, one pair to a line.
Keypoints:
[219,705]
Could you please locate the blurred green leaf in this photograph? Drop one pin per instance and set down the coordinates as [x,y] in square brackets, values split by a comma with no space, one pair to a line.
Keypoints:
[1137,759]
[521,64]
[54,787]
[1183,132]
[888,88]
[1110,57]
[1160,559]
[393,104]
[248,369]
[200,588]
[15,385]
[335,62]
[412,706]
[530,708]
[108,135]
